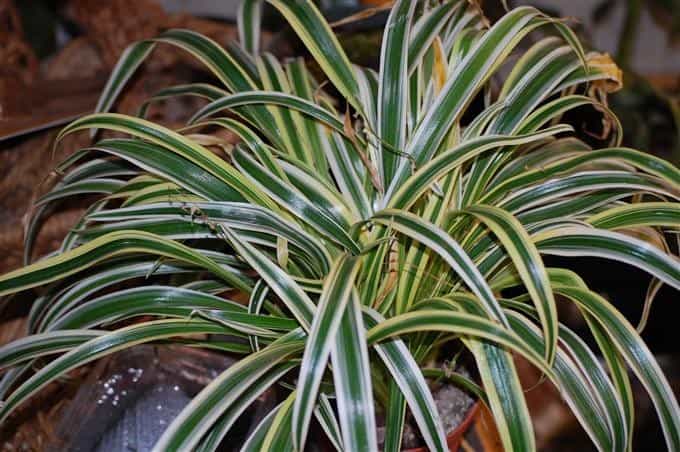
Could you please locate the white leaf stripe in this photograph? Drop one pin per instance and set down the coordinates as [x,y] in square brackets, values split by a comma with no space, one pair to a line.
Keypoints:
[583,241]
[351,375]
[195,419]
[437,240]
[335,295]
[393,86]
[638,356]
[409,378]
[249,18]
[528,263]
[279,281]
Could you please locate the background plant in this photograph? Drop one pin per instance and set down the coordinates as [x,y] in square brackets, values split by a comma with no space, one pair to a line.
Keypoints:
[411,209]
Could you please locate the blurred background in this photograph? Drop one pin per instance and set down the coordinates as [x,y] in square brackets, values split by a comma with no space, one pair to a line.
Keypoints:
[55,56]
[40,40]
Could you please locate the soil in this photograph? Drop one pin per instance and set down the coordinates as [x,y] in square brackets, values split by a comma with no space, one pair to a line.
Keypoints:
[453,405]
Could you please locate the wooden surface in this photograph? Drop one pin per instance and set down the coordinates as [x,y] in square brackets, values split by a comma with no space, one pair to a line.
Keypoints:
[44,104]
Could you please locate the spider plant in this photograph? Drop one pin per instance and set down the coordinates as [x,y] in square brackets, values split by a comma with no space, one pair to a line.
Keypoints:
[412,207]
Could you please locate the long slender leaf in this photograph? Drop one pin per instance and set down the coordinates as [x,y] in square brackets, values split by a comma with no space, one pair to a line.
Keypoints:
[223,392]
[335,295]
[353,386]
[107,246]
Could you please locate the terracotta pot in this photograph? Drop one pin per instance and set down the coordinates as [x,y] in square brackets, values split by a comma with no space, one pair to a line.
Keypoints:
[454,438]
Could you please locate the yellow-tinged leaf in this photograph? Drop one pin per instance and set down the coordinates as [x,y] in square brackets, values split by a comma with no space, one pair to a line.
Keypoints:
[612,82]
[604,64]
[363,14]
[440,66]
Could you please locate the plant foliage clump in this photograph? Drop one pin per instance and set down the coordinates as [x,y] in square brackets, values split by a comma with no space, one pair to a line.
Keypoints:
[367,229]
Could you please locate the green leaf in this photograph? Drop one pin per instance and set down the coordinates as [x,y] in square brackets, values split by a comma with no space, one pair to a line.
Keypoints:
[249,18]
[410,382]
[83,187]
[289,121]
[173,142]
[131,58]
[506,395]
[643,161]
[496,367]
[395,419]
[426,28]
[224,392]
[278,280]
[586,386]
[104,345]
[448,249]
[528,263]
[584,241]
[324,221]
[219,430]
[163,300]
[335,295]
[210,53]
[314,131]
[454,322]
[261,150]
[638,356]
[158,161]
[314,32]
[290,101]
[463,83]
[254,443]
[325,416]
[585,181]
[240,216]
[36,345]
[349,180]
[279,436]
[407,194]
[393,85]
[200,90]
[352,378]
[640,214]
[54,304]
[106,247]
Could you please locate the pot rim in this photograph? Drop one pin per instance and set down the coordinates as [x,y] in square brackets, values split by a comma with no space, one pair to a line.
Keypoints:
[454,436]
